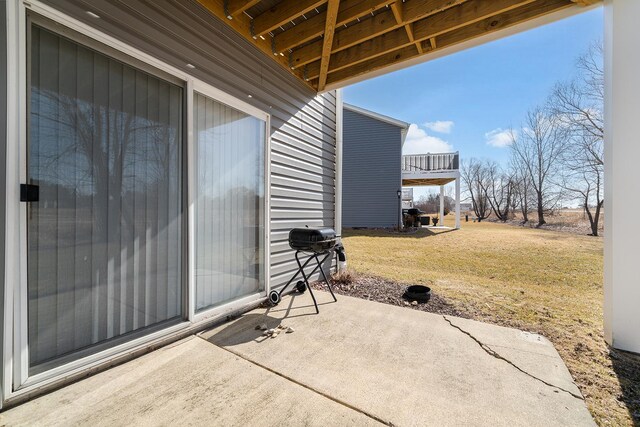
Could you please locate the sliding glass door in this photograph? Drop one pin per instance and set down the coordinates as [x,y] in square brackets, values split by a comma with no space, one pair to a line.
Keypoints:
[104,237]
[105,174]
[229,203]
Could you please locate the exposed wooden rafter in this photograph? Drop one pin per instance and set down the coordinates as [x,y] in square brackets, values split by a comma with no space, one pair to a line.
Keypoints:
[242,25]
[314,27]
[375,26]
[427,28]
[329,30]
[397,9]
[324,42]
[488,25]
[234,8]
[282,13]
[586,2]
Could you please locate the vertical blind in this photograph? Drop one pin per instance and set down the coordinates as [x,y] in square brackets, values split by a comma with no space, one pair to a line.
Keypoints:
[229,202]
[104,239]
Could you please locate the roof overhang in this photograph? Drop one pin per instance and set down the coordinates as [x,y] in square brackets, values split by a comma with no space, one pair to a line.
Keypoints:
[329,44]
[376,116]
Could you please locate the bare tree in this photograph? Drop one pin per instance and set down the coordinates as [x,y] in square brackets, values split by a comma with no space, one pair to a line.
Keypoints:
[584,176]
[500,190]
[579,106]
[475,178]
[538,150]
[579,103]
[522,190]
[431,203]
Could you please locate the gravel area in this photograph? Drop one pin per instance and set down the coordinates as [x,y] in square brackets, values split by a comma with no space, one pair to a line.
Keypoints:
[389,292]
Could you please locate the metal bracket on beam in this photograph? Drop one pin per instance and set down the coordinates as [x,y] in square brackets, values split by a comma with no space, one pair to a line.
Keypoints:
[252,31]
[225,6]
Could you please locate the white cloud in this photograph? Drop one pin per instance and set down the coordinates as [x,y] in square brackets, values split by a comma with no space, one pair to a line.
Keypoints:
[419,142]
[499,138]
[440,126]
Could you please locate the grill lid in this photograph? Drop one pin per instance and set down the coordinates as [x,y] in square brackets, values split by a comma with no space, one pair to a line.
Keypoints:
[312,239]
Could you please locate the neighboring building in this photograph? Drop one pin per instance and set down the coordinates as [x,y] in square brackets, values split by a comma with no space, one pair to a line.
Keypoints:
[372,152]
[377,178]
[407,198]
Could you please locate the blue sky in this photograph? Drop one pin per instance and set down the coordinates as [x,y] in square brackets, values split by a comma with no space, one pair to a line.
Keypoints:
[464,101]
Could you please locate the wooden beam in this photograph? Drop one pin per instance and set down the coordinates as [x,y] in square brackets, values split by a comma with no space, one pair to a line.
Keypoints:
[409,29]
[377,25]
[429,27]
[586,2]
[380,45]
[282,13]
[463,15]
[236,7]
[313,27]
[397,9]
[390,58]
[369,28]
[329,30]
[241,25]
[488,25]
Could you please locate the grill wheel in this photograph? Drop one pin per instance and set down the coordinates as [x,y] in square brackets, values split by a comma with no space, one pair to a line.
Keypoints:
[301,286]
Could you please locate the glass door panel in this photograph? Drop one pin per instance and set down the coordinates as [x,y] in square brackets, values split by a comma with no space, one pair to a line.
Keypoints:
[229,149]
[104,238]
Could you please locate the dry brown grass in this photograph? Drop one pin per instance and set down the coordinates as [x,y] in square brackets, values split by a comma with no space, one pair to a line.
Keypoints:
[538,280]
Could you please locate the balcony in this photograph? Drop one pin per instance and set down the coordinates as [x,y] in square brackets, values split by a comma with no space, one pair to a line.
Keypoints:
[430,169]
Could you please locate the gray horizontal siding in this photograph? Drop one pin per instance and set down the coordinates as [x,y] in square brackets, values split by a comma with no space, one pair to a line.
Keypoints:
[303,125]
[371,176]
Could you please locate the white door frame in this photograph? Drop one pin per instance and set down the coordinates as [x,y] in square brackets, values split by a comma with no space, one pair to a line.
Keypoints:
[224,98]
[15,365]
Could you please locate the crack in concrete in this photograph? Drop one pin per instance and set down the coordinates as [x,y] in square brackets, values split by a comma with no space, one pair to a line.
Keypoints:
[301,384]
[495,354]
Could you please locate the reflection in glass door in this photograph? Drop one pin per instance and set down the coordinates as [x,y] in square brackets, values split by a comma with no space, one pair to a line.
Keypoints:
[104,238]
[229,149]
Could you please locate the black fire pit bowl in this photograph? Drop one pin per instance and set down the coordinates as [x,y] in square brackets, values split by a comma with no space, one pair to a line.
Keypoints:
[418,293]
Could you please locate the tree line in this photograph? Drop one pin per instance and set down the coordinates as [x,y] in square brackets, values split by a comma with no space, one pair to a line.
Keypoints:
[556,155]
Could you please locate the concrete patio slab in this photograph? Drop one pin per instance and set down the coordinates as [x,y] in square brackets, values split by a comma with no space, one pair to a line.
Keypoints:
[356,363]
[189,383]
[408,367]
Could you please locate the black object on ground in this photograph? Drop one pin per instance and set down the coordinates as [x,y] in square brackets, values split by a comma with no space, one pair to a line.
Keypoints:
[418,293]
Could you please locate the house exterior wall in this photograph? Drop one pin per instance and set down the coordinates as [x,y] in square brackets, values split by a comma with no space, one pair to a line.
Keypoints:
[372,152]
[303,125]
[3,136]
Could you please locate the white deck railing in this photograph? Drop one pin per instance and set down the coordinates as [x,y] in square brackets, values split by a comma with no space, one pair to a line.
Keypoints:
[431,162]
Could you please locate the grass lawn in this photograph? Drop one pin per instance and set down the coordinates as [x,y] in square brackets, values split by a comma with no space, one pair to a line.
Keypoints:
[538,280]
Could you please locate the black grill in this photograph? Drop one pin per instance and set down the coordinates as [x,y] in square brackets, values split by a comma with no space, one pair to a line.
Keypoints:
[320,243]
[316,240]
